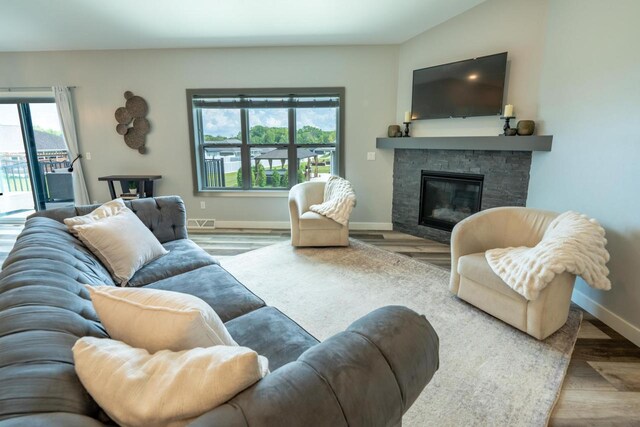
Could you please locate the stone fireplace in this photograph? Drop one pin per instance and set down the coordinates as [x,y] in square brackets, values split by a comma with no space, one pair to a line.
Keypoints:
[433,189]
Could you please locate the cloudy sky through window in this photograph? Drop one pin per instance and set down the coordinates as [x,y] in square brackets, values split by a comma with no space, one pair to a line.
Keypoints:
[226,122]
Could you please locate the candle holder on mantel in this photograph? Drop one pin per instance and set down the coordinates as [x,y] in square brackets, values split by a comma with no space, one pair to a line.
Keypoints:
[406,128]
[507,128]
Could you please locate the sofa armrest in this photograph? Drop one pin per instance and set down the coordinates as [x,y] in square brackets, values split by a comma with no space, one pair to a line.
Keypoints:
[369,375]
[496,228]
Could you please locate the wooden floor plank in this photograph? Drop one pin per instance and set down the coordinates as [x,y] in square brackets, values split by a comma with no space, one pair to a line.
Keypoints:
[582,376]
[597,408]
[623,376]
[589,330]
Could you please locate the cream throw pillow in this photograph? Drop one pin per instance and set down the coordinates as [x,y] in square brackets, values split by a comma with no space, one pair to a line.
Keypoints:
[156,320]
[167,388]
[121,241]
[108,209]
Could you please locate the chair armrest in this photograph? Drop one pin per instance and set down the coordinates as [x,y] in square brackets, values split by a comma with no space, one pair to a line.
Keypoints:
[369,375]
[496,228]
[301,196]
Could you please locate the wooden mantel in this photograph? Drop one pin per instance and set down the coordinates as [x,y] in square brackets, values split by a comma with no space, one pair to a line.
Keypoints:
[486,143]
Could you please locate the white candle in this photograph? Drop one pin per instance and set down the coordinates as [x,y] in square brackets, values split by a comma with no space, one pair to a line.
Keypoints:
[508,110]
[407,116]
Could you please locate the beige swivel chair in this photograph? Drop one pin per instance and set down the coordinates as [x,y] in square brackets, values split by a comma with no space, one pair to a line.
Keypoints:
[309,228]
[473,280]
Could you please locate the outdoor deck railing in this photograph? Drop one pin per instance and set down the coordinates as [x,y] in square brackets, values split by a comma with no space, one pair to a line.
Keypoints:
[14,174]
[214,173]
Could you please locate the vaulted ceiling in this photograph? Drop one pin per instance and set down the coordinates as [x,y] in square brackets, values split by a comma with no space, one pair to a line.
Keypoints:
[42,25]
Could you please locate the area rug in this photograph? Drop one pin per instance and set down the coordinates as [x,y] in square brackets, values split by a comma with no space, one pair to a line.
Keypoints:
[490,373]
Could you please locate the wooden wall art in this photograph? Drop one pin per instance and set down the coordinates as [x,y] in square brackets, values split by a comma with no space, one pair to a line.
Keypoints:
[132,123]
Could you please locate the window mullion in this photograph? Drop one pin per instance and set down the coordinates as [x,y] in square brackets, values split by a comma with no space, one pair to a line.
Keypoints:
[245,151]
[197,134]
[292,149]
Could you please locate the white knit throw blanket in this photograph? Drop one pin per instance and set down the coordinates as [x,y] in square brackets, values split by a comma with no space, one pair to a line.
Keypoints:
[572,243]
[339,200]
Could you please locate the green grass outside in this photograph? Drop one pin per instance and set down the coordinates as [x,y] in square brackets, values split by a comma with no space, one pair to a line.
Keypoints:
[231,178]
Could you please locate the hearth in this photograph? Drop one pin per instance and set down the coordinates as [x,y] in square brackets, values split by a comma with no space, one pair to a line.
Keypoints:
[447,198]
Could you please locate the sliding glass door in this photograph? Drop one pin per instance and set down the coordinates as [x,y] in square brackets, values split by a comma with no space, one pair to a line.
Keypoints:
[34,160]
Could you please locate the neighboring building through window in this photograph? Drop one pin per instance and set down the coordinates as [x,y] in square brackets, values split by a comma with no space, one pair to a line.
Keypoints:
[265,139]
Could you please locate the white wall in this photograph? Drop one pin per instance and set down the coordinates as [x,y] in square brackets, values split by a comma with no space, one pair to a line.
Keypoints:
[516,26]
[574,68]
[161,77]
[590,102]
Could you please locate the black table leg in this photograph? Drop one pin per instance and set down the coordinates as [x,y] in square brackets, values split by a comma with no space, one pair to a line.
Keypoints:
[112,190]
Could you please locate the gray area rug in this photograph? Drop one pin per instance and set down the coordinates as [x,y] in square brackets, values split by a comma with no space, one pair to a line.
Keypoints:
[490,373]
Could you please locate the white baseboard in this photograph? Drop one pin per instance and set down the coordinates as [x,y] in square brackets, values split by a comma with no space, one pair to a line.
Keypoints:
[372,226]
[279,225]
[620,325]
[253,224]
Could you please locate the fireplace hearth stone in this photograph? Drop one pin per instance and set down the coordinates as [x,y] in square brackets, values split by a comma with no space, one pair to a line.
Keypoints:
[506,181]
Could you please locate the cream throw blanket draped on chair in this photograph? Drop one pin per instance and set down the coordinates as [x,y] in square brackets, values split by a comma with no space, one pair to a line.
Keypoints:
[339,200]
[572,243]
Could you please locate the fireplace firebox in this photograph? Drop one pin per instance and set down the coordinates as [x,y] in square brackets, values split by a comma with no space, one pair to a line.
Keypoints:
[447,198]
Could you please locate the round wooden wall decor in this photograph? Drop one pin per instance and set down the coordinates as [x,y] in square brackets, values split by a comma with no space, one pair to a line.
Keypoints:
[123,116]
[141,124]
[135,110]
[136,106]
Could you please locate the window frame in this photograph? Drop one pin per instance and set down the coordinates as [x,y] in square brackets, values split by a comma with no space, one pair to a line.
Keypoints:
[198,146]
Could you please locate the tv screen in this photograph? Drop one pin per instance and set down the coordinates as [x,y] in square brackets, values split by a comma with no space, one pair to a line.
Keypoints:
[461,89]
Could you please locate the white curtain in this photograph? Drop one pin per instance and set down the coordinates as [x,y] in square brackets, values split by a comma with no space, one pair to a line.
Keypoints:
[65,112]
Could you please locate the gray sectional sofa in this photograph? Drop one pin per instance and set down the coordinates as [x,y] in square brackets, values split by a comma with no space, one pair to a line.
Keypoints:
[368,375]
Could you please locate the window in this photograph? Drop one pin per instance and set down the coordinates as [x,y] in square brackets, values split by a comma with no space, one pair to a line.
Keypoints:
[265,140]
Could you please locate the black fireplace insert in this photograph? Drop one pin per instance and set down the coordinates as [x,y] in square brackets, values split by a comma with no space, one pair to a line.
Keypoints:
[447,198]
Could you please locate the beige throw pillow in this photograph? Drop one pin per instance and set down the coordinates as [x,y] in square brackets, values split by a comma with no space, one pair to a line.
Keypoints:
[121,241]
[157,320]
[167,388]
[108,209]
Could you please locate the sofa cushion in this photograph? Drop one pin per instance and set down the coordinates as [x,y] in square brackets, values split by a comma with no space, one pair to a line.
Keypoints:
[52,419]
[313,221]
[106,210]
[156,320]
[183,256]
[272,334]
[476,268]
[44,309]
[45,242]
[213,284]
[167,388]
[122,242]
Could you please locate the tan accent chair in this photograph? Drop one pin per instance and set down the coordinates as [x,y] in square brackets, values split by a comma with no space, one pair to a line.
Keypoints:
[309,228]
[473,280]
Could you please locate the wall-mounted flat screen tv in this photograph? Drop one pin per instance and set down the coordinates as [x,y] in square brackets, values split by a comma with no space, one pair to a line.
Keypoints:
[469,88]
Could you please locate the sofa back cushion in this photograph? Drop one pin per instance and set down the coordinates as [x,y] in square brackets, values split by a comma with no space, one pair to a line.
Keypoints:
[165,216]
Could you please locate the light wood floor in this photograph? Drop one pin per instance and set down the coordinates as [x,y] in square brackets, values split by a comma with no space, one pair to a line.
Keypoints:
[602,386]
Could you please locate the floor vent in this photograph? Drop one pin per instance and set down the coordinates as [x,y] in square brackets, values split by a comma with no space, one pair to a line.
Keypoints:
[201,224]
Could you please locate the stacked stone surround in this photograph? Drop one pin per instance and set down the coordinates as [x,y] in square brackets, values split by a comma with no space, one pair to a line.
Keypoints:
[506,181]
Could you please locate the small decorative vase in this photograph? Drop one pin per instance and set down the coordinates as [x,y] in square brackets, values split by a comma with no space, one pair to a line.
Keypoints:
[510,132]
[526,127]
[393,131]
